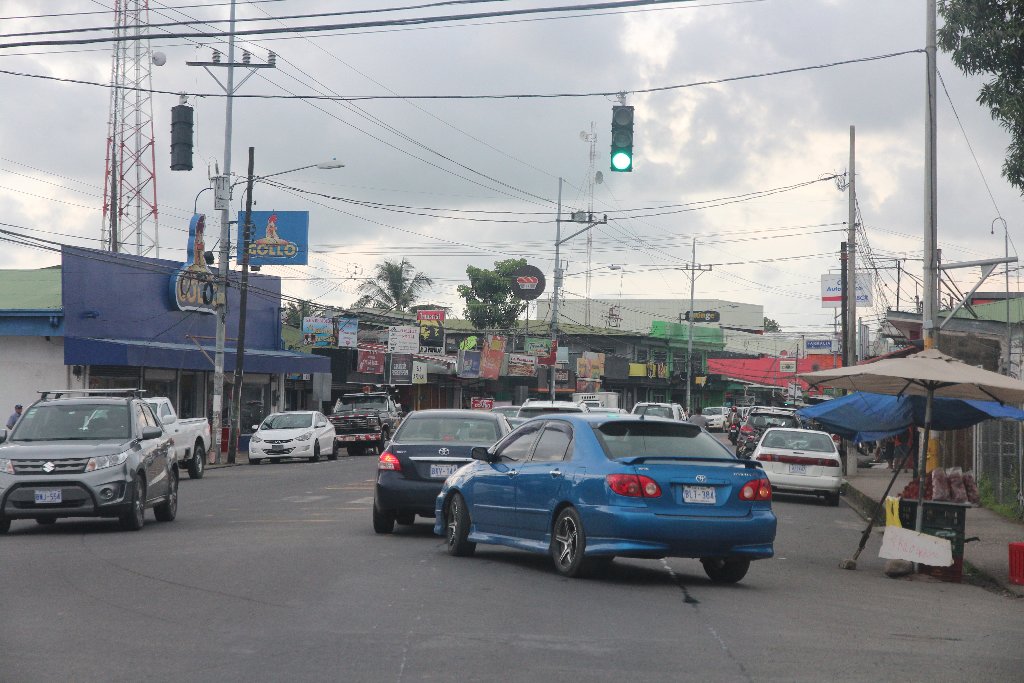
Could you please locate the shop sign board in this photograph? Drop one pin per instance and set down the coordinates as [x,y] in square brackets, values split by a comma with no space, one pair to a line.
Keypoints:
[370,362]
[431,324]
[703,316]
[818,344]
[537,346]
[401,368]
[348,332]
[527,282]
[787,366]
[403,339]
[905,544]
[562,376]
[522,365]
[319,332]
[419,372]
[590,365]
[194,286]
[469,364]
[832,291]
[492,356]
[478,403]
[276,238]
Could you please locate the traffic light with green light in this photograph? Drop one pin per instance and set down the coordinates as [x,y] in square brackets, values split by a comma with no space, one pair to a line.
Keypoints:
[622,138]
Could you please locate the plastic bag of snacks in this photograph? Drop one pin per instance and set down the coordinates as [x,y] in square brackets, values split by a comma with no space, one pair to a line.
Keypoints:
[971,486]
[957,490]
[940,484]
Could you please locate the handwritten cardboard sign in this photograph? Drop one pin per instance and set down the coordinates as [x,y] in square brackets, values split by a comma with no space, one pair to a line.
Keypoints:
[906,544]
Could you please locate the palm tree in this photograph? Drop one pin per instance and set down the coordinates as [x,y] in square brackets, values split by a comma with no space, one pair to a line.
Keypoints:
[395,286]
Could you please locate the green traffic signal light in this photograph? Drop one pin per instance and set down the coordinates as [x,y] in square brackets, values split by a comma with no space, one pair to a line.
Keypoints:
[622,138]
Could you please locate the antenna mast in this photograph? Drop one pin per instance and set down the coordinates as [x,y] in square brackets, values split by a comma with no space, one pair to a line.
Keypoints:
[129,187]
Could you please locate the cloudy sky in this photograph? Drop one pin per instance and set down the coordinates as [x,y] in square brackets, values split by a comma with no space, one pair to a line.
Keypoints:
[724,153]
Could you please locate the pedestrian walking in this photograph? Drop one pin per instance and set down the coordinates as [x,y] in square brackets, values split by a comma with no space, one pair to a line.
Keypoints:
[15,416]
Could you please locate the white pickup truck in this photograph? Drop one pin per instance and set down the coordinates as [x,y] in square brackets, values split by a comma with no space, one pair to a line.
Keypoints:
[191,436]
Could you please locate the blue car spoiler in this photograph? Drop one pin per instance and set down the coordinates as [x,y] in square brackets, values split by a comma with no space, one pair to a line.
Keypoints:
[636,459]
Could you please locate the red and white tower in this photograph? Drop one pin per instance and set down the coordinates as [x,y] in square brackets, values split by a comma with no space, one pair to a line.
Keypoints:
[129,188]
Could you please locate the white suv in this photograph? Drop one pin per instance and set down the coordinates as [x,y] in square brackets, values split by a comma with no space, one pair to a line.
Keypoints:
[533,408]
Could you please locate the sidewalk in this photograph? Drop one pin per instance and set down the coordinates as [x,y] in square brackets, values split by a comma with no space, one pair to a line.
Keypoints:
[989,555]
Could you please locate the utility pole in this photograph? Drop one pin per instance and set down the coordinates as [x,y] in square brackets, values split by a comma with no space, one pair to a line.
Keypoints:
[589,220]
[236,387]
[929,317]
[844,310]
[851,258]
[222,202]
[695,270]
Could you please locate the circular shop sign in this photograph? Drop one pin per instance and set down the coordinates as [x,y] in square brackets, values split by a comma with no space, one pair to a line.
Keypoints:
[527,282]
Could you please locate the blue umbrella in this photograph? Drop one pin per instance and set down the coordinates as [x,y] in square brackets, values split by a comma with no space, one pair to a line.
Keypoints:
[864,416]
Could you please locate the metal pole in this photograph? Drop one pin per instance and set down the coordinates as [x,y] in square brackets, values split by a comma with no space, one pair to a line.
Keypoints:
[930,314]
[236,388]
[558,283]
[845,308]
[223,187]
[689,332]
[851,255]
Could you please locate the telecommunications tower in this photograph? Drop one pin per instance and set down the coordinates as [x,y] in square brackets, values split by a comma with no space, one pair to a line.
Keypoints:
[129,188]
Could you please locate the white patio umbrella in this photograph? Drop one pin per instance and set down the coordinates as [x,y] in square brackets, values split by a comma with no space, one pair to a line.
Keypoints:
[929,373]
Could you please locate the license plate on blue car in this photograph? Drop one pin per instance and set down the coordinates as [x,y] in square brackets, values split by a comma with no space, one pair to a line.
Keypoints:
[442,471]
[48,496]
[699,494]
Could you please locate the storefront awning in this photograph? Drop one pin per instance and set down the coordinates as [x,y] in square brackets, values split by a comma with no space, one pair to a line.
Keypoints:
[138,353]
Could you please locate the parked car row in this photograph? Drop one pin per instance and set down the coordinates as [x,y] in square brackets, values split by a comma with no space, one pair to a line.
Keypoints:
[583,487]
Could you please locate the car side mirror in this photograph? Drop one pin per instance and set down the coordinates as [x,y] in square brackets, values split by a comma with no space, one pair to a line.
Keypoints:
[482,453]
[3,435]
[255,427]
[168,419]
[151,433]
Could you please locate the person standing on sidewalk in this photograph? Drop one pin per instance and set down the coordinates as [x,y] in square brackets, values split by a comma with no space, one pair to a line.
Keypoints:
[15,416]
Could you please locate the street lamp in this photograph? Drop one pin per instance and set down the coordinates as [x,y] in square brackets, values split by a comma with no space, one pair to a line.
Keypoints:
[235,417]
[589,220]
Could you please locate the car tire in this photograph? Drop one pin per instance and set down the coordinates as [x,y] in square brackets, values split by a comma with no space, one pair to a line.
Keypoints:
[275,461]
[197,465]
[832,499]
[334,450]
[725,571]
[405,518]
[356,450]
[168,510]
[568,543]
[316,452]
[5,526]
[383,522]
[254,461]
[134,518]
[46,521]
[457,522]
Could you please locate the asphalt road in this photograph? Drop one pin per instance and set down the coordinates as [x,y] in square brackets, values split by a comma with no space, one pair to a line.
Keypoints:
[274,573]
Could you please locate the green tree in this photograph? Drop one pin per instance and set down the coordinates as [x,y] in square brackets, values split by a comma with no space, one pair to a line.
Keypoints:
[771,326]
[294,312]
[490,300]
[395,286]
[988,38]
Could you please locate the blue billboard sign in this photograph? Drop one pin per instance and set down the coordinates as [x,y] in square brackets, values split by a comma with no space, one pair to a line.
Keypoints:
[276,238]
[194,285]
[819,344]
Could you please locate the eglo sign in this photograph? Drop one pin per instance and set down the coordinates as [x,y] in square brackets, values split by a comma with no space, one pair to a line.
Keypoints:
[194,285]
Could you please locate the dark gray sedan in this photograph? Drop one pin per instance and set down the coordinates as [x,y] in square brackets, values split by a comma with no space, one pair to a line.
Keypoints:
[429,446]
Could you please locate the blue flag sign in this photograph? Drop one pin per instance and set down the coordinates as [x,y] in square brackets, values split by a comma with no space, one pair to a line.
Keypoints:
[276,238]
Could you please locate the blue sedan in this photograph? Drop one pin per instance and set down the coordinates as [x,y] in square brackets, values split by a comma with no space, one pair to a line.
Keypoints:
[587,488]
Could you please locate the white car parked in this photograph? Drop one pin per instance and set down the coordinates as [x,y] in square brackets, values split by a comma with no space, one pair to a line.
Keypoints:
[715,417]
[801,461]
[294,434]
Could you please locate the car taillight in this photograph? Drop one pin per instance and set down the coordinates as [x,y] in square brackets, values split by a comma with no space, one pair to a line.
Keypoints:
[836,439]
[767,457]
[633,485]
[756,489]
[389,461]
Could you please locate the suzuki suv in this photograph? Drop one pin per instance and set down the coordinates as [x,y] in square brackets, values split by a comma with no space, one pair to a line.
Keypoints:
[87,453]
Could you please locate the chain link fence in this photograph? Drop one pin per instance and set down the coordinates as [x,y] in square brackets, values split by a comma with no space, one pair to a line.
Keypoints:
[998,461]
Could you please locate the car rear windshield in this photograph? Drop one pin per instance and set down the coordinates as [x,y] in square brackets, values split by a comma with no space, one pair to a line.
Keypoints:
[417,429]
[633,438]
[361,403]
[712,411]
[764,421]
[73,422]
[533,411]
[796,440]
[655,411]
[288,421]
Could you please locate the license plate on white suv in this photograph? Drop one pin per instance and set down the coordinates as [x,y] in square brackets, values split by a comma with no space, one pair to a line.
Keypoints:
[442,471]
[47,496]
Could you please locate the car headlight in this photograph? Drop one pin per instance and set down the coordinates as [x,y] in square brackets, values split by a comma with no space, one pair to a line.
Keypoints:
[6,466]
[373,421]
[255,439]
[304,437]
[104,461]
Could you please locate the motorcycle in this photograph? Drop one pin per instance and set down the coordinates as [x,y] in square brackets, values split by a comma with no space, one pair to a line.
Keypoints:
[734,433]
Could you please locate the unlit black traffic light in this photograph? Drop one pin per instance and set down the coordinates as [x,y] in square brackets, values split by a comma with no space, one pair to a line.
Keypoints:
[181,138]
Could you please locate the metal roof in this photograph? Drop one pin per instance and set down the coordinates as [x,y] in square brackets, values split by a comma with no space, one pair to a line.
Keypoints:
[30,289]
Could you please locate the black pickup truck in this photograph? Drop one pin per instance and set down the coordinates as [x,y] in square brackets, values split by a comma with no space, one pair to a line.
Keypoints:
[364,421]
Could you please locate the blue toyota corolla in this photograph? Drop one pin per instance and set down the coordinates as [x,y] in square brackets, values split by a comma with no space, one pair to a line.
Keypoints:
[589,487]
